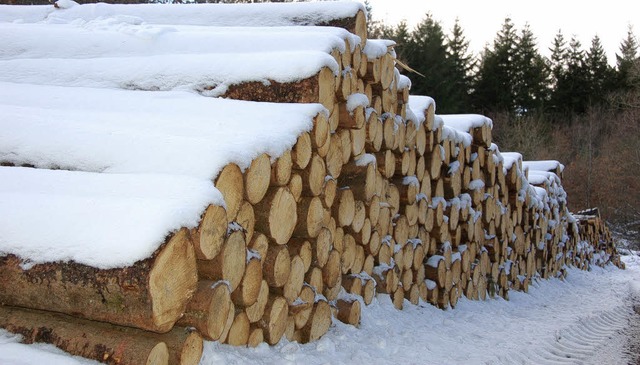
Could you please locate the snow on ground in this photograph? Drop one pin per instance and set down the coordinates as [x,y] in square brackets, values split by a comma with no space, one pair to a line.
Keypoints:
[582,320]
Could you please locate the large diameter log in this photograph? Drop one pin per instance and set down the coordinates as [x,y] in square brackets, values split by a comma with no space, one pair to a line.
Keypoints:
[319,88]
[208,310]
[152,294]
[103,342]
[230,263]
[209,237]
[276,215]
[230,182]
[240,330]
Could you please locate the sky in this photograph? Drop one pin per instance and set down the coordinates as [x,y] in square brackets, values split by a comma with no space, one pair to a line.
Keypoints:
[481,20]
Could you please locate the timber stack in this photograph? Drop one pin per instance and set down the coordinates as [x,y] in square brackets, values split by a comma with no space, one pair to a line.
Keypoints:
[377,195]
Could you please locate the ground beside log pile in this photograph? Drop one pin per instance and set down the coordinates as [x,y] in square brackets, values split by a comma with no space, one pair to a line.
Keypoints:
[586,319]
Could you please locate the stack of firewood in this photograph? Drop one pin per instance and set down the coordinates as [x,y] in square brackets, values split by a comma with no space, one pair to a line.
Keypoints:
[382,196]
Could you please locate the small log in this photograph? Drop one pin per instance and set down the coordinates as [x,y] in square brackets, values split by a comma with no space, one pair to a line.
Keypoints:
[208,310]
[256,336]
[318,323]
[310,217]
[348,311]
[276,215]
[344,208]
[246,219]
[230,182]
[313,177]
[240,330]
[152,294]
[277,266]
[256,178]
[274,321]
[302,151]
[334,159]
[230,263]
[249,289]
[209,237]
[281,169]
[256,310]
[301,309]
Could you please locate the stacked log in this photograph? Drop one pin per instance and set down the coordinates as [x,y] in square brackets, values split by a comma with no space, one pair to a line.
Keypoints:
[381,197]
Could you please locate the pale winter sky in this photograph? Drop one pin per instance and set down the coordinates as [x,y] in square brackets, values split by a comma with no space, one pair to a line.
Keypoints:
[481,20]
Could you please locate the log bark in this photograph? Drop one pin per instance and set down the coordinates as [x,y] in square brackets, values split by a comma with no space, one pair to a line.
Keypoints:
[152,294]
[103,342]
[319,88]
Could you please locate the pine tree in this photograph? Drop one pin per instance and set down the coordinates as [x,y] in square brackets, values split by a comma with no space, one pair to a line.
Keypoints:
[426,53]
[463,65]
[628,62]
[599,73]
[559,61]
[494,89]
[571,91]
[531,78]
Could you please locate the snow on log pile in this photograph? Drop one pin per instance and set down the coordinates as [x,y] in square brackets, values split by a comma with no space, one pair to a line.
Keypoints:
[331,185]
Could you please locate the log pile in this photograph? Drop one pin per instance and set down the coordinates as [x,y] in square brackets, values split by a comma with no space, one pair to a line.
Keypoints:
[381,197]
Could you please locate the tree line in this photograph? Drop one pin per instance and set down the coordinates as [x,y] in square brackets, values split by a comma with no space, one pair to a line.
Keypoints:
[572,106]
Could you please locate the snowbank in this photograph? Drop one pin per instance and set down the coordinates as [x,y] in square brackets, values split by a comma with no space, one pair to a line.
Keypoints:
[100,220]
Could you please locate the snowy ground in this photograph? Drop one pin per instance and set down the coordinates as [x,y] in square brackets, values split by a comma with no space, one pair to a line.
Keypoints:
[586,319]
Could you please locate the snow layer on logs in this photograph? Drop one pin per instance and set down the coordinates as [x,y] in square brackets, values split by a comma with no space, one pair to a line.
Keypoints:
[104,38]
[418,105]
[260,14]
[101,220]
[544,165]
[466,122]
[120,131]
[210,73]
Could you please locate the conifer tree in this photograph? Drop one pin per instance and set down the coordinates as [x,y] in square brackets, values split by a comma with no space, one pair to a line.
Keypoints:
[427,53]
[494,89]
[531,78]
[628,62]
[462,68]
[599,73]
